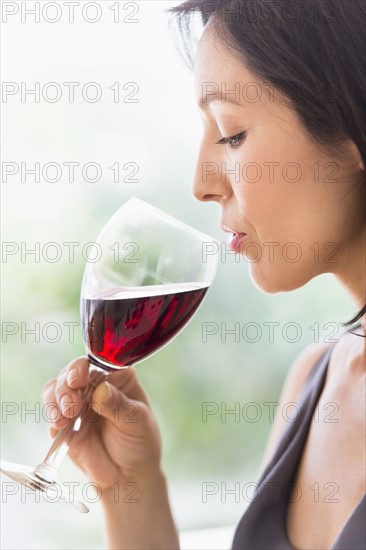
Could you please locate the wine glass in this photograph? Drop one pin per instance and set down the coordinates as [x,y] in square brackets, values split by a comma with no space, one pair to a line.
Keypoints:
[145,277]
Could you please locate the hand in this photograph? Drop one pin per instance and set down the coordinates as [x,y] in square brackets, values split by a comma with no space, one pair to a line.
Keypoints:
[121,439]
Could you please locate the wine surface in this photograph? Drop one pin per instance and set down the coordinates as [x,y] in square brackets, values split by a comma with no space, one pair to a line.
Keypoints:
[127,325]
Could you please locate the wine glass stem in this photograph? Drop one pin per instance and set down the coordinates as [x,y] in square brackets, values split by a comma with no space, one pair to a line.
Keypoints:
[48,469]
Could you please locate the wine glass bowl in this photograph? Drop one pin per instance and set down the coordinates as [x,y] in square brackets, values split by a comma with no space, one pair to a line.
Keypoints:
[145,279]
[149,280]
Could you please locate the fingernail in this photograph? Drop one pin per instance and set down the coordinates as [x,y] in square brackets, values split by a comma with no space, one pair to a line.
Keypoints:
[54,414]
[53,432]
[72,375]
[66,402]
[102,393]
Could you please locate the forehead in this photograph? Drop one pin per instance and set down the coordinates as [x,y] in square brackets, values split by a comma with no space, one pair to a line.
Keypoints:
[218,72]
[214,59]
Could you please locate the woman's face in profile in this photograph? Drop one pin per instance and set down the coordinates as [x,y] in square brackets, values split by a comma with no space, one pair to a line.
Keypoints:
[302,211]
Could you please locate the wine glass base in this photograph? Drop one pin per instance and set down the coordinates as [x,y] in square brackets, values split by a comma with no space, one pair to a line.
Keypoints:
[55,490]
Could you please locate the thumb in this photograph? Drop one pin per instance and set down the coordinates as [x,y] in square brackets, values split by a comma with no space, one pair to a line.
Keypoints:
[110,402]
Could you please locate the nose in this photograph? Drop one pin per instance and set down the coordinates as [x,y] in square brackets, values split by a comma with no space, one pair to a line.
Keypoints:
[210,182]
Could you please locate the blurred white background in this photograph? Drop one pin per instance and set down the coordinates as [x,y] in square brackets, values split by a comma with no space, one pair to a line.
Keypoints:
[159,134]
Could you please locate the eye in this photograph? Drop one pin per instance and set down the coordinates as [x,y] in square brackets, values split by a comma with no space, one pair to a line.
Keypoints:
[233,141]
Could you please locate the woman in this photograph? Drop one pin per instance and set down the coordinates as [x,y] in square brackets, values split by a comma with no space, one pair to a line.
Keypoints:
[281,88]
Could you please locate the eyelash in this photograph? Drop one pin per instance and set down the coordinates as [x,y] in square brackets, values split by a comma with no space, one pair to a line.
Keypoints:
[237,138]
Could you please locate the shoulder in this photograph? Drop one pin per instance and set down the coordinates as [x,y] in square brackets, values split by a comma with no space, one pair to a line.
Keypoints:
[300,370]
[291,391]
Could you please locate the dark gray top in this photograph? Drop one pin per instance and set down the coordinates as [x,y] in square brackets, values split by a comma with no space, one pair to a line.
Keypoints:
[263,525]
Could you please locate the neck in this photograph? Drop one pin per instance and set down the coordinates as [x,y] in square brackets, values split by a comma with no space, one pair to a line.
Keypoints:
[351,274]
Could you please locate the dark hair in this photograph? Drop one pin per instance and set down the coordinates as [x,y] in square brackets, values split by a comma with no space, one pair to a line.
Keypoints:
[299,47]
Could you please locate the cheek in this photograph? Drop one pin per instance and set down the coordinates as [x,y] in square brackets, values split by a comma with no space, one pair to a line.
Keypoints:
[263,187]
[288,192]
[298,213]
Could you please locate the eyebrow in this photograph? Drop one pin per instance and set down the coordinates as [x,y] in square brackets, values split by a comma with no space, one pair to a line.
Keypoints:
[217,96]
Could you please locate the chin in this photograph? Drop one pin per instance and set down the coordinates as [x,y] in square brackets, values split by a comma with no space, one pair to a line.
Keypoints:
[270,279]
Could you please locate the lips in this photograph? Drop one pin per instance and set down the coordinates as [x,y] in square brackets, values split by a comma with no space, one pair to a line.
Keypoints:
[236,238]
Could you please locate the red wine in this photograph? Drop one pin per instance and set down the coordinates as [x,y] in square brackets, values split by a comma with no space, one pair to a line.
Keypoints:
[126,325]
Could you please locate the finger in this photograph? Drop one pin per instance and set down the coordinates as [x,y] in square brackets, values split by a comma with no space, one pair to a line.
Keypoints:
[53,432]
[126,380]
[68,400]
[109,402]
[59,421]
[77,373]
[51,410]
[48,391]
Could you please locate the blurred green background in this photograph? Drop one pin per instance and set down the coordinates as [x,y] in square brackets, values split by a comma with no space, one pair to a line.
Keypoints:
[161,134]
